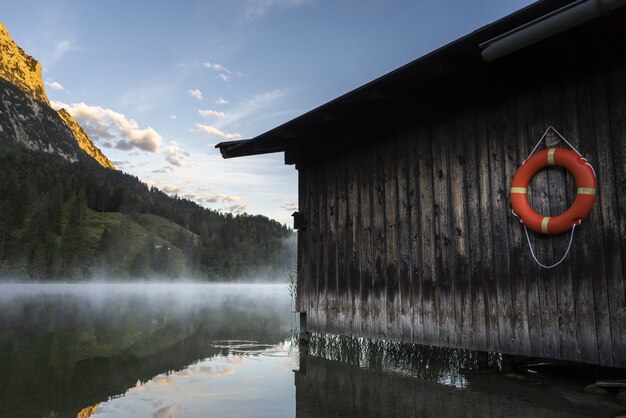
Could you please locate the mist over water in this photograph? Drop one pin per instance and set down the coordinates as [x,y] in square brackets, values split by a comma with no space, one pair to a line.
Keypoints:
[65,346]
[180,350]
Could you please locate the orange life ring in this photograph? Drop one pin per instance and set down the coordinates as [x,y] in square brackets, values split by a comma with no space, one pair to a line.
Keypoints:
[585,191]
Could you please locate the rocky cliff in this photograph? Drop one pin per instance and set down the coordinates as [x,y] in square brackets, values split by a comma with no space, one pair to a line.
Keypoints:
[83,140]
[20,68]
[28,118]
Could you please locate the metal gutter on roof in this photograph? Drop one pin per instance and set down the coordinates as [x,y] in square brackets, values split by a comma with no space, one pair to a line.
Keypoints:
[550,24]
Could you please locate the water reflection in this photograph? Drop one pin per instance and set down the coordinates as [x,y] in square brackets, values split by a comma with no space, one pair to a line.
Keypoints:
[174,351]
[355,377]
[65,347]
[243,381]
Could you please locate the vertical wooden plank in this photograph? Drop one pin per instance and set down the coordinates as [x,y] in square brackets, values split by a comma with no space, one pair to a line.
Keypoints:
[616,88]
[404,244]
[518,241]
[499,217]
[392,285]
[540,200]
[459,236]
[343,238]
[415,238]
[592,226]
[444,291]
[366,203]
[353,242]
[581,266]
[315,245]
[303,274]
[514,140]
[609,204]
[427,247]
[565,318]
[324,285]
[378,212]
[476,245]
[332,288]
[487,270]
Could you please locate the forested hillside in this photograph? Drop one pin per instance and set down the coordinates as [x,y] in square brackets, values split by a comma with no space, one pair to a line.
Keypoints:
[72,221]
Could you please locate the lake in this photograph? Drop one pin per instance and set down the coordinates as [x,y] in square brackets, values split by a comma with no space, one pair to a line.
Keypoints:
[228,350]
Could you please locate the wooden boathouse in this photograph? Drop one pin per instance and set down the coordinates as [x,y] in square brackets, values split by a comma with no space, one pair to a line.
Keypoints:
[405,230]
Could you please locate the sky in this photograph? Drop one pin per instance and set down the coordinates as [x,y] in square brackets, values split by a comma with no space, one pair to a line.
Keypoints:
[156,84]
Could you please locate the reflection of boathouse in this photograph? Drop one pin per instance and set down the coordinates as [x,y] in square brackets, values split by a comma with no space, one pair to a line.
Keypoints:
[405,226]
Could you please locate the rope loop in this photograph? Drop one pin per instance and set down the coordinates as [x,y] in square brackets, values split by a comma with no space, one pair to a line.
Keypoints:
[571,238]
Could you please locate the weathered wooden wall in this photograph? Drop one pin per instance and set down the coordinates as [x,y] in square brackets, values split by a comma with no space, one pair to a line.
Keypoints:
[409,230]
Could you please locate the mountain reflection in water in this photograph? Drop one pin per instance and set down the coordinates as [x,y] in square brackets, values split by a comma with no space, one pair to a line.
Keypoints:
[196,350]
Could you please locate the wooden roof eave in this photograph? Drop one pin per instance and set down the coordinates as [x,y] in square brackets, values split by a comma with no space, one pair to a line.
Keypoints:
[460,56]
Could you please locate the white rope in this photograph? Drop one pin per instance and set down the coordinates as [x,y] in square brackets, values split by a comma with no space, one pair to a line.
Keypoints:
[563,138]
[571,237]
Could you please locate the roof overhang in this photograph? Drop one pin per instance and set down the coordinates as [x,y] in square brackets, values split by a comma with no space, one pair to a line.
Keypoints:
[457,59]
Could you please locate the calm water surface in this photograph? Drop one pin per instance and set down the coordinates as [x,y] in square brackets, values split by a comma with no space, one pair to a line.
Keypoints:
[221,350]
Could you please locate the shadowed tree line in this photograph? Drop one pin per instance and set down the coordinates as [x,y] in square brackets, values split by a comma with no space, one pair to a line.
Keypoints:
[76,221]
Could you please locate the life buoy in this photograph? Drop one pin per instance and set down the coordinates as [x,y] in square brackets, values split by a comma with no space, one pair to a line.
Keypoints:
[585,191]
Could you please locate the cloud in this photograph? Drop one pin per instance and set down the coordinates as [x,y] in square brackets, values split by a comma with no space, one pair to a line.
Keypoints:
[290,206]
[222,101]
[211,114]
[162,381]
[60,49]
[55,86]
[174,154]
[217,67]
[106,125]
[238,208]
[224,77]
[168,188]
[257,104]
[167,411]
[259,8]
[172,116]
[196,94]
[217,371]
[190,196]
[221,197]
[163,170]
[213,131]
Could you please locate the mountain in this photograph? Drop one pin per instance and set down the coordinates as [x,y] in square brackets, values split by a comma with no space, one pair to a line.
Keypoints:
[83,140]
[20,68]
[37,119]
[67,214]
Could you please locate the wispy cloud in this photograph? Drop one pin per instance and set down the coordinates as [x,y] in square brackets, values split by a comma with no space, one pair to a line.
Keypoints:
[55,85]
[221,197]
[168,188]
[211,114]
[222,101]
[61,48]
[290,205]
[259,8]
[217,67]
[238,208]
[213,131]
[196,94]
[257,104]
[174,154]
[224,77]
[108,126]
[167,411]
